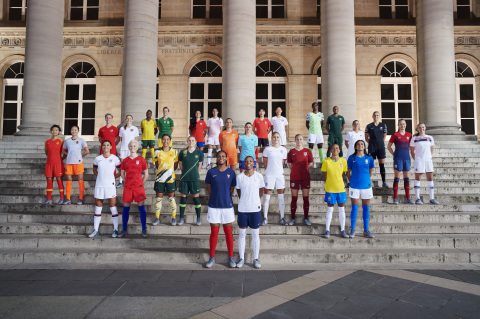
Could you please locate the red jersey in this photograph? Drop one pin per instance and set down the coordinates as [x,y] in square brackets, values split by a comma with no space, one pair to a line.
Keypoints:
[262,127]
[402,144]
[300,160]
[133,171]
[54,150]
[198,131]
[109,133]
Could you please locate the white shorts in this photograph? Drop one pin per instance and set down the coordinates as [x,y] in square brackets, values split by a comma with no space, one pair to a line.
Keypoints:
[105,192]
[283,138]
[123,154]
[213,141]
[315,139]
[360,193]
[220,215]
[423,166]
[277,182]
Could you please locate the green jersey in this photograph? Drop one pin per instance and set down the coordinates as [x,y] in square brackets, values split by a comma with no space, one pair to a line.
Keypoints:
[164,127]
[336,123]
[190,164]
[315,123]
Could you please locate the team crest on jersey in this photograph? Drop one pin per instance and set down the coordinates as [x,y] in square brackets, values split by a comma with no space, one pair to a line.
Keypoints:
[265,122]
[77,142]
[58,143]
[228,175]
[131,130]
[408,138]
[110,160]
[304,153]
[366,161]
[111,130]
[293,184]
[137,162]
[196,156]
[341,165]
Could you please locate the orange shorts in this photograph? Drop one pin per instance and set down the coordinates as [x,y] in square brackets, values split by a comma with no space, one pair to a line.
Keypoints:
[74,169]
[232,158]
[54,169]
[131,194]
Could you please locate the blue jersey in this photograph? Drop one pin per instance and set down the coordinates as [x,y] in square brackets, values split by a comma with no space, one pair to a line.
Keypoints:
[221,182]
[360,174]
[248,144]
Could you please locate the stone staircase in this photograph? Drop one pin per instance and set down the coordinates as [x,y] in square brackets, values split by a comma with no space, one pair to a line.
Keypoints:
[34,234]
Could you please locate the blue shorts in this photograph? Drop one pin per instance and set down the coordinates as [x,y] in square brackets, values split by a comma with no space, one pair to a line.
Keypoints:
[335,198]
[200,144]
[402,165]
[252,220]
[242,164]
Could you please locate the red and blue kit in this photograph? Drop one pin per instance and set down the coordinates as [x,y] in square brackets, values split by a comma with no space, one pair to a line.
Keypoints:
[109,133]
[134,189]
[401,157]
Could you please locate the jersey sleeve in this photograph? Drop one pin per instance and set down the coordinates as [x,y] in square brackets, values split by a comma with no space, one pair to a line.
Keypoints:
[176,156]
[286,121]
[350,162]
[234,180]
[329,121]
[144,164]
[173,123]
[221,122]
[100,133]
[155,124]
[308,117]
[412,141]
[255,140]
[117,162]
[46,145]
[95,162]
[289,157]
[208,178]
[238,182]
[345,166]
[384,128]
[269,124]
[343,120]
[366,128]
[285,154]
[84,144]
[220,137]
[371,163]
[392,138]
[432,143]
[310,156]
[117,132]
[236,137]
[180,156]
[255,123]
[265,152]
[122,166]
[324,166]
[240,141]
[322,116]
[262,182]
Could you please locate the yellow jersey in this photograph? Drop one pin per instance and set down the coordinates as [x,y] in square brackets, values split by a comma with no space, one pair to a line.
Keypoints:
[148,129]
[334,170]
[166,166]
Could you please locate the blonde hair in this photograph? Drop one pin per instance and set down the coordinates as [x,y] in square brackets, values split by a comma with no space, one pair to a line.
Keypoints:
[133,142]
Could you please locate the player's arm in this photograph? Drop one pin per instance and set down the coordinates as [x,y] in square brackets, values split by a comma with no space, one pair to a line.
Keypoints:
[171,130]
[46,151]
[371,172]
[209,188]
[180,165]
[367,137]
[412,152]
[85,151]
[175,165]
[265,162]
[205,132]
[349,174]
[95,171]
[384,136]
[346,140]
[145,175]
[239,193]
[117,139]
[260,191]
[64,152]
[117,171]
[122,173]
[310,165]
[431,149]
[324,177]
[323,123]
[389,148]
[327,127]
[286,128]
[199,166]
[343,127]
[307,124]
[232,188]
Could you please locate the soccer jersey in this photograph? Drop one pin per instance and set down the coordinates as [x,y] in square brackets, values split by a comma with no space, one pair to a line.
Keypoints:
[110,134]
[166,166]
[279,124]
[133,171]
[315,122]
[299,160]
[220,182]
[127,135]
[335,123]
[422,146]
[360,175]
[197,132]
[262,127]
[74,148]
[214,126]
[248,144]
[334,170]
[190,164]
[402,143]
[249,186]
[229,141]
[148,129]
[54,150]
[275,156]
[376,135]
[106,170]
[165,127]
[352,137]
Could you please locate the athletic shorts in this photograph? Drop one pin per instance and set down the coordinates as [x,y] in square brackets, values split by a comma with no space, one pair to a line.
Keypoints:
[164,187]
[189,187]
[232,158]
[315,139]
[74,169]
[335,198]
[283,138]
[305,184]
[360,193]
[220,215]
[105,192]
[123,154]
[335,140]
[213,141]
[242,164]
[277,182]
[160,144]
[54,169]
[252,220]
[377,153]
[402,165]
[200,144]
[263,142]
[148,143]
[423,166]
[131,194]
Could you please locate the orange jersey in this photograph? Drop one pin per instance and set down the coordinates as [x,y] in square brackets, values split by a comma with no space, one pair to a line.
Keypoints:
[229,141]
[54,150]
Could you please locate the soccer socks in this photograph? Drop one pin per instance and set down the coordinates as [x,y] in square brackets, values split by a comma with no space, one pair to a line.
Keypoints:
[125,217]
[266,203]
[328,219]
[320,153]
[431,190]
[293,206]
[416,186]
[366,216]
[49,189]
[341,217]
[143,216]
[255,242]
[183,205]
[395,187]
[81,185]
[209,156]
[198,206]
[114,212]
[144,153]
[152,152]
[306,207]
[281,204]
[257,151]
[353,217]
[406,185]
[242,235]
[229,238]
[173,207]
[382,171]
[213,240]
[69,189]
[60,188]
[158,206]
[97,217]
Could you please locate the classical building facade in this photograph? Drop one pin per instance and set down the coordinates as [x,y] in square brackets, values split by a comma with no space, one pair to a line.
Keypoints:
[72,61]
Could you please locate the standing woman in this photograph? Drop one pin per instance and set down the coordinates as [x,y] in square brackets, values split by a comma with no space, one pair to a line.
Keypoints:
[134,190]
[214,125]
[198,129]
[280,125]
[352,137]
[220,184]
[360,169]
[105,169]
[54,166]
[250,187]
[300,160]
[421,148]
[274,158]
[333,169]
[228,143]
[127,133]
[247,144]
[75,148]
[401,160]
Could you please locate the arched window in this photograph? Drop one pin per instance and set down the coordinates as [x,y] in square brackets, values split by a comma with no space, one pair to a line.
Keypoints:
[271,88]
[466,99]
[12,98]
[319,88]
[80,95]
[205,89]
[396,95]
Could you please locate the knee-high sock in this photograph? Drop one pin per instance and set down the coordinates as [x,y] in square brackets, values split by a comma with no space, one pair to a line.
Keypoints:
[143,216]
[328,151]
[395,187]
[69,189]
[281,203]
[144,153]
[341,150]
[341,217]
[198,206]
[125,217]
[183,205]
[353,217]
[120,179]
[209,155]
[406,185]
[97,217]
[366,216]
[431,190]
[213,240]
[114,212]
[320,153]
[152,152]
[328,219]
[229,238]
[306,206]
[173,207]
[242,235]
[60,188]
[49,189]
[255,242]
[293,206]
[158,206]
[416,187]
[382,171]
[266,203]
[257,151]
[81,186]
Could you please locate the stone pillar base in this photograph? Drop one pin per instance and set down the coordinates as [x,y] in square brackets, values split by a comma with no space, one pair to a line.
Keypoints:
[447,129]
[33,130]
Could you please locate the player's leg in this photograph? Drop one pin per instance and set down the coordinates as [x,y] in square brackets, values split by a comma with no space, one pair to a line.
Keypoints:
[341,200]
[49,191]
[266,202]
[158,203]
[416,186]
[152,152]
[320,152]
[397,173]
[431,189]
[198,207]
[406,183]
[280,186]
[381,163]
[143,217]
[254,223]
[366,217]
[293,202]
[81,186]
[306,204]
[227,229]
[69,178]
[112,202]
[214,229]
[97,218]
[60,190]
[353,212]
[242,221]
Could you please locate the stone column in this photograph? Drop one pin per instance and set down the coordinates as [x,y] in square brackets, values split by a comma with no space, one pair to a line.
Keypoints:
[338,58]
[173,90]
[140,58]
[436,67]
[239,52]
[43,67]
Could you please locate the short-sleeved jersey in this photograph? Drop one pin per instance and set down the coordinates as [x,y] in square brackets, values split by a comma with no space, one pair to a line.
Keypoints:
[220,182]
[352,137]
[127,135]
[275,156]
[422,146]
[54,150]
[279,123]
[315,122]
[360,175]
[229,141]
[262,127]
[133,168]
[165,127]
[74,148]
[299,160]
[249,186]
[197,132]
[110,134]
[402,143]
[166,166]
[248,144]
[148,129]
[334,170]
[106,170]
[376,136]
[190,164]
[214,126]
[335,123]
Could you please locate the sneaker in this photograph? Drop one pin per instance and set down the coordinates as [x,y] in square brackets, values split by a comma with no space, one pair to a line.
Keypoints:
[119,185]
[327,234]
[48,202]
[156,222]
[210,262]
[174,222]
[144,233]
[395,201]
[385,185]
[352,234]
[231,262]
[93,234]
[80,202]
[283,222]
[256,263]
[122,234]
[368,234]
[115,234]
[434,202]
[291,222]
[419,202]
[409,201]
[265,221]
[181,221]
[240,263]
[67,202]
[307,222]
[209,166]
[344,234]
[199,221]
[203,165]
[60,202]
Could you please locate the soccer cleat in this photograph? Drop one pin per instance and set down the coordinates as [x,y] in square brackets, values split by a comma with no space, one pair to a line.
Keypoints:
[122,234]
[327,234]
[144,233]
[60,202]
[199,222]
[395,201]
[368,234]
[209,166]
[80,202]
[240,263]
[67,202]
[174,222]
[48,202]
[352,234]
[231,262]
[119,185]
[434,202]
[385,185]
[265,221]
[115,234]
[291,222]
[307,222]
[256,263]
[156,222]
[210,262]
[283,222]
[419,201]
[344,234]
[93,234]
[409,201]
[181,221]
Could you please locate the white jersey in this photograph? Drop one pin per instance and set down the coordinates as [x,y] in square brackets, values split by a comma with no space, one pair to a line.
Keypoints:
[106,170]
[74,148]
[422,146]
[278,124]
[275,156]
[127,135]
[214,126]
[249,197]
[352,138]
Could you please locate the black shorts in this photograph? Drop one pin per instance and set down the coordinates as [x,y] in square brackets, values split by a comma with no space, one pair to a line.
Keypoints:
[378,153]
[263,142]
